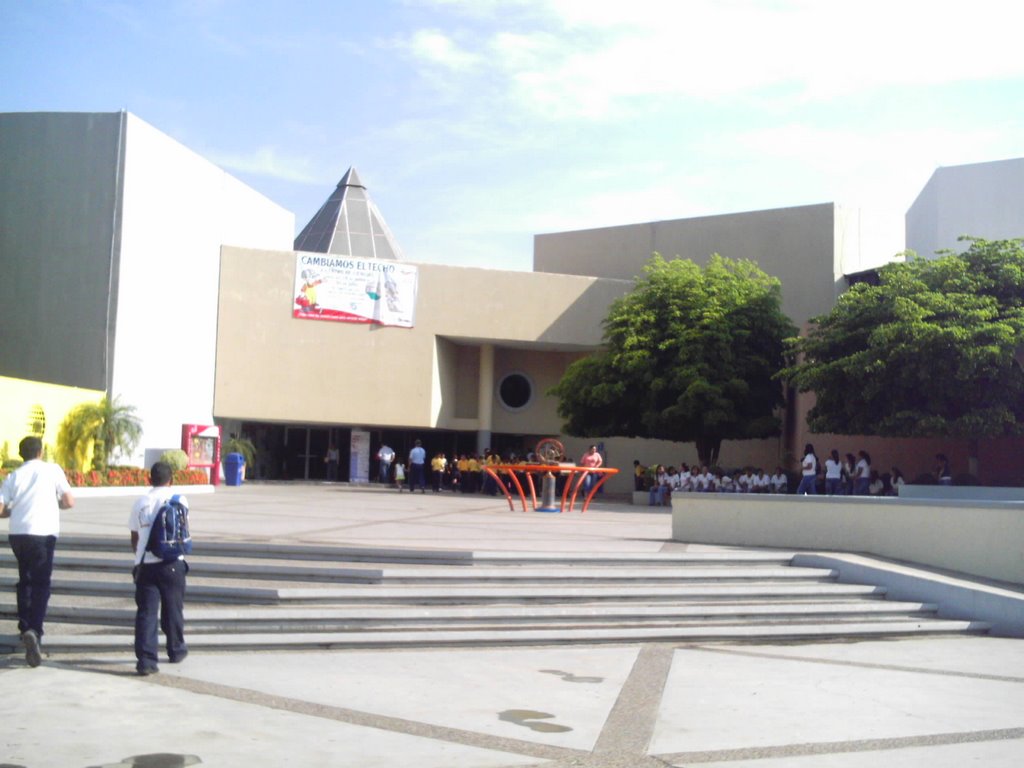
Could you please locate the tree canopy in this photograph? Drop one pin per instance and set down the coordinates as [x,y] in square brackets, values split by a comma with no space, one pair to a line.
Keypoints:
[689,354]
[928,352]
[98,429]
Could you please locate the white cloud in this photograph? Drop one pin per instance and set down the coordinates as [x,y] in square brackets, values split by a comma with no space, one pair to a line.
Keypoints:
[579,58]
[436,48]
[267,161]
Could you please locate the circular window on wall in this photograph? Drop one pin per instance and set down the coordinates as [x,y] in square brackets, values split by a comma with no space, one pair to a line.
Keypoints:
[515,391]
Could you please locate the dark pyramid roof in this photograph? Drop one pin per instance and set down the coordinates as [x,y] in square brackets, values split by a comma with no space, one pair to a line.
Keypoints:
[349,224]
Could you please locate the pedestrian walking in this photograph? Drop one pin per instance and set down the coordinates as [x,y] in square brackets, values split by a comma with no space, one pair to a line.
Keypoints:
[32,497]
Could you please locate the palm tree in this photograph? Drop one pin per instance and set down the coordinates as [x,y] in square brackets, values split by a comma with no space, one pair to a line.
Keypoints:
[105,427]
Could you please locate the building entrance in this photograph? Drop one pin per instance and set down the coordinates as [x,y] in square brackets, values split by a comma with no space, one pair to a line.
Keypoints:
[295,451]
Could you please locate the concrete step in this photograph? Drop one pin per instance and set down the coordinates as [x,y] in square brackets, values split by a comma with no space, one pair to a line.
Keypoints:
[552,573]
[256,550]
[336,554]
[198,591]
[326,618]
[123,642]
[200,567]
[256,596]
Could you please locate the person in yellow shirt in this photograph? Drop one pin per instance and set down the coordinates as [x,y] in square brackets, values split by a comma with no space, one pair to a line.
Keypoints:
[437,466]
[472,474]
[639,473]
[490,487]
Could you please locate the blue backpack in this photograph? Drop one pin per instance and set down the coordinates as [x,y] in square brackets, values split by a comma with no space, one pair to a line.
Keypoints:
[169,537]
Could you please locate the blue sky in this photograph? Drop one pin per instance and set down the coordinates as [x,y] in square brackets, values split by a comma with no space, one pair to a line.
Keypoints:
[476,124]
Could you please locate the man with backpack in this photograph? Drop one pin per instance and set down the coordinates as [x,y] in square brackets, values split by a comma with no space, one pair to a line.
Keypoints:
[160,570]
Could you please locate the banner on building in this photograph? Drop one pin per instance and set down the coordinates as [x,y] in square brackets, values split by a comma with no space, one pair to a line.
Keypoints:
[353,290]
[359,457]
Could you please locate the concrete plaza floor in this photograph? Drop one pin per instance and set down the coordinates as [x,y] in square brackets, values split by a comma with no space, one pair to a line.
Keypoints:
[944,701]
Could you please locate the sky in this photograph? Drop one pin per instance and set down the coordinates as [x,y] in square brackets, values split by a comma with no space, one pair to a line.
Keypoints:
[476,124]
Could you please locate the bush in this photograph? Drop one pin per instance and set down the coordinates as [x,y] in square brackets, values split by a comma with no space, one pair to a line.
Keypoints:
[242,445]
[176,457]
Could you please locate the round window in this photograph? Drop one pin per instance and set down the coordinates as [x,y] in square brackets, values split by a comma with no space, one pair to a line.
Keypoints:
[515,391]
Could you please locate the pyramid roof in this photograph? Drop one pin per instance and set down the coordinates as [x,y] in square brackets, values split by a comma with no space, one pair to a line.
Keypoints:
[349,224]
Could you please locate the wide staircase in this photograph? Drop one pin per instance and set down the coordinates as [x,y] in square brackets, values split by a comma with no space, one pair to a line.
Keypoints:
[259,597]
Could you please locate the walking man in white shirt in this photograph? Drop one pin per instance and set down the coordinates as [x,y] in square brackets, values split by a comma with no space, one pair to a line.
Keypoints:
[32,497]
[159,583]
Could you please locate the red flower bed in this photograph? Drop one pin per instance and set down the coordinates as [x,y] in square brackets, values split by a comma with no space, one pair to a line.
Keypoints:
[123,477]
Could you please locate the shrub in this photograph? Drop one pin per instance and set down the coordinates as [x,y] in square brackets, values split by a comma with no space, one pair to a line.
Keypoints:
[176,457]
[242,445]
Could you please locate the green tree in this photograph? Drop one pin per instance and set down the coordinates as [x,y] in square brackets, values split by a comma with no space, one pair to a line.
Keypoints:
[105,427]
[929,352]
[689,354]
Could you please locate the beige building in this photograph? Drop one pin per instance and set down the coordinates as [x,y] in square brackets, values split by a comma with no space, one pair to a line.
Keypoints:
[487,345]
[471,374]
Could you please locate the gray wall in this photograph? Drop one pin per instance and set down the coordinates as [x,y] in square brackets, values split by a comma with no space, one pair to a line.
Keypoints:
[796,245]
[59,222]
[980,200]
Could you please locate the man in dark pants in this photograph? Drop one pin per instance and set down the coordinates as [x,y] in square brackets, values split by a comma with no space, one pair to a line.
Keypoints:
[32,496]
[417,468]
[159,584]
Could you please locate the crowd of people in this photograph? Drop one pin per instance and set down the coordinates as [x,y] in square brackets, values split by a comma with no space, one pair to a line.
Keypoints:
[662,481]
[847,475]
[462,473]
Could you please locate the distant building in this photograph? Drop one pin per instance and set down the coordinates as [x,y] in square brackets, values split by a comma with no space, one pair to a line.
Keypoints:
[978,200]
[110,237]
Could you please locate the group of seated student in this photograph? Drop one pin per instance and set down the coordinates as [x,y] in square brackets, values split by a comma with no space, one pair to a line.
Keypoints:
[686,479]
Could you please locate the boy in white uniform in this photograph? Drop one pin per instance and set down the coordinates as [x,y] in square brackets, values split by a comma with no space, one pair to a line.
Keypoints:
[159,583]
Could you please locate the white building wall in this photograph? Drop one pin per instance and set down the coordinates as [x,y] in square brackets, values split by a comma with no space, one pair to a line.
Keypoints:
[178,209]
[866,238]
[979,200]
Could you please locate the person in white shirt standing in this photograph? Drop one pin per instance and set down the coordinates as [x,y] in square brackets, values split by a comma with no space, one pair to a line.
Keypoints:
[32,497]
[159,583]
[833,473]
[809,469]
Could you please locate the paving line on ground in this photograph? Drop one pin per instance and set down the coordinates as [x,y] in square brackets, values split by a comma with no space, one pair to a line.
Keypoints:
[841,747]
[630,724]
[350,716]
[850,663]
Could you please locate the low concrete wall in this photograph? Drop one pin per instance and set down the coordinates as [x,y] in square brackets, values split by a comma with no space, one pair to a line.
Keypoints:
[983,539]
[962,492]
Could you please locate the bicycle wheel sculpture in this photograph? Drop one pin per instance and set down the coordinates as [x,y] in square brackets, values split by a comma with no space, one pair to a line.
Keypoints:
[549,451]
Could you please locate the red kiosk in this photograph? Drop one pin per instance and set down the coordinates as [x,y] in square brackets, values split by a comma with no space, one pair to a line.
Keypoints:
[202,444]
